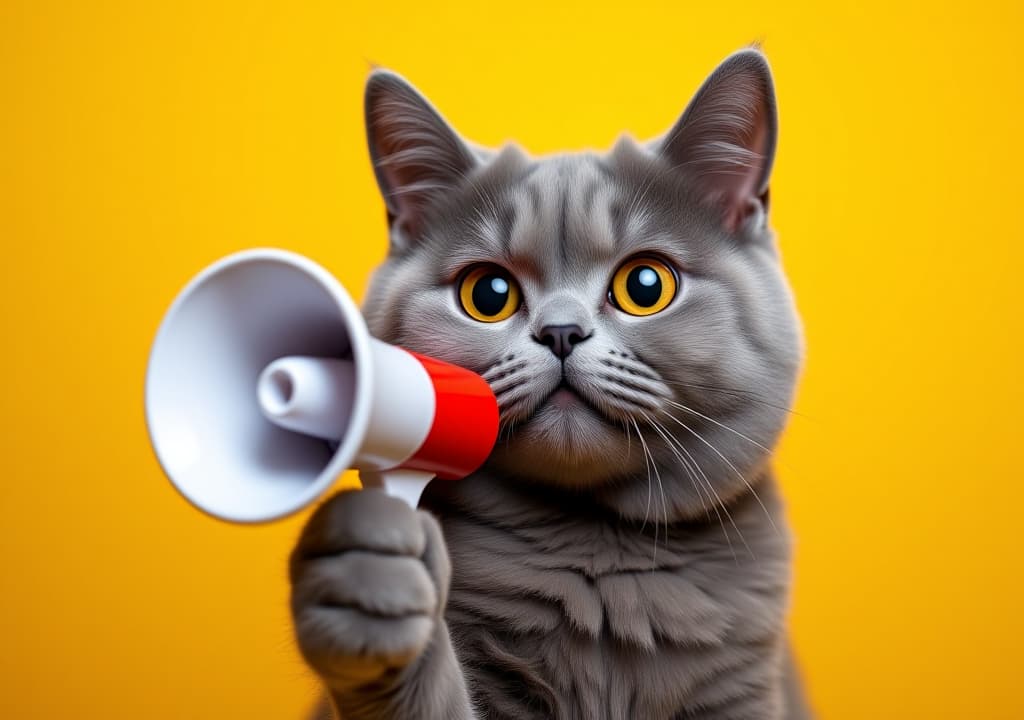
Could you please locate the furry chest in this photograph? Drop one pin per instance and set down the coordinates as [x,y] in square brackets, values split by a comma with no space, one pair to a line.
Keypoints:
[563,674]
[555,643]
[572,616]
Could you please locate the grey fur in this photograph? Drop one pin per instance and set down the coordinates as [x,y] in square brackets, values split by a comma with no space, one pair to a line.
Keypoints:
[620,556]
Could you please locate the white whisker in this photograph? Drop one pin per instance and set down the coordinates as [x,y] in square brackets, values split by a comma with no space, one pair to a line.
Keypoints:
[728,462]
[710,487]
[740,394]
[719,424]
[653,464]
[691,473]
[647,510]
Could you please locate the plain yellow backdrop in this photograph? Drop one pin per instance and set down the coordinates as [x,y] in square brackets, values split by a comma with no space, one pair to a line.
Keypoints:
[139,142]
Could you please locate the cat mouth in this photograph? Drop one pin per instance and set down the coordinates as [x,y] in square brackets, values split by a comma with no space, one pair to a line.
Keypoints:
[565,397]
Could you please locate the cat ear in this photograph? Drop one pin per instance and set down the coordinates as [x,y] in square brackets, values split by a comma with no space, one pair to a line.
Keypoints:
[725,139]
[415,153]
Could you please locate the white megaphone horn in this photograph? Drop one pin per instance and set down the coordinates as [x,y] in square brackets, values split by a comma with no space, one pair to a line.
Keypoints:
[264,385]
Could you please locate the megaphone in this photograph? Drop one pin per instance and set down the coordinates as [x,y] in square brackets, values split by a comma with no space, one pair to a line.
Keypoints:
[264,385]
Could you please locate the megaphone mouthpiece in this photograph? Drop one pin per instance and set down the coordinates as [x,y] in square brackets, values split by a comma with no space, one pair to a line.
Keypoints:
[308,395]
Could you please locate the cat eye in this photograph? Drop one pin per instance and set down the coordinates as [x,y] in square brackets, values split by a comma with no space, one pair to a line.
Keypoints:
[488,293]
[643,286]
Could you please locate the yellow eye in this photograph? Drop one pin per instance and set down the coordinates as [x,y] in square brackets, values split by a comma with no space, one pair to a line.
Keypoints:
[643,286]
[488,293]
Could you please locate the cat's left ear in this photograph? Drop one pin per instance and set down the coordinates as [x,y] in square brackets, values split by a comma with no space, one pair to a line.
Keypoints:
[725,140]
[416,154]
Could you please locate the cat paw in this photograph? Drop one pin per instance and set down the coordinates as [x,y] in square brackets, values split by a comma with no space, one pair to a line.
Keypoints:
[369,579]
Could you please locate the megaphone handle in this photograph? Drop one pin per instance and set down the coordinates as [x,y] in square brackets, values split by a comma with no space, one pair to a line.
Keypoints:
[406,485]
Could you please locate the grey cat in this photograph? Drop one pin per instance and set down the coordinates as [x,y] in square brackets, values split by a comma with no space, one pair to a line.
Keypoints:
[623,553]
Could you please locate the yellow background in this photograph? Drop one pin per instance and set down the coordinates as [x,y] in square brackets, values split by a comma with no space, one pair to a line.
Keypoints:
[140,142]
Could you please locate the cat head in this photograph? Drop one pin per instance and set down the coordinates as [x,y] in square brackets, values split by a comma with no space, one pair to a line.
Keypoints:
[628,309]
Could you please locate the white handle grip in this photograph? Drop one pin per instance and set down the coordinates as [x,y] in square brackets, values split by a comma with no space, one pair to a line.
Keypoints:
[407,485]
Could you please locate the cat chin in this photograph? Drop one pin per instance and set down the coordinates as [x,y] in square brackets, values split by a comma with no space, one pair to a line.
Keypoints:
[568,443]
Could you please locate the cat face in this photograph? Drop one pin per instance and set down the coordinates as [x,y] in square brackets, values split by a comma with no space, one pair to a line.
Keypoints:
[628,310]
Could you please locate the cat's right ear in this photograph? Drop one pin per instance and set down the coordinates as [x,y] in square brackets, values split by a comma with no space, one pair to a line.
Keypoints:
[416,155]
[725,140]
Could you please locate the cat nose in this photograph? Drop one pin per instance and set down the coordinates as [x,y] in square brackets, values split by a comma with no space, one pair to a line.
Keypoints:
[561,338]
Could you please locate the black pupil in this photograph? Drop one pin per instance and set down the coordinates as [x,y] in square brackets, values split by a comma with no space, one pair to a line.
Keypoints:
[644,285]
[490,294]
